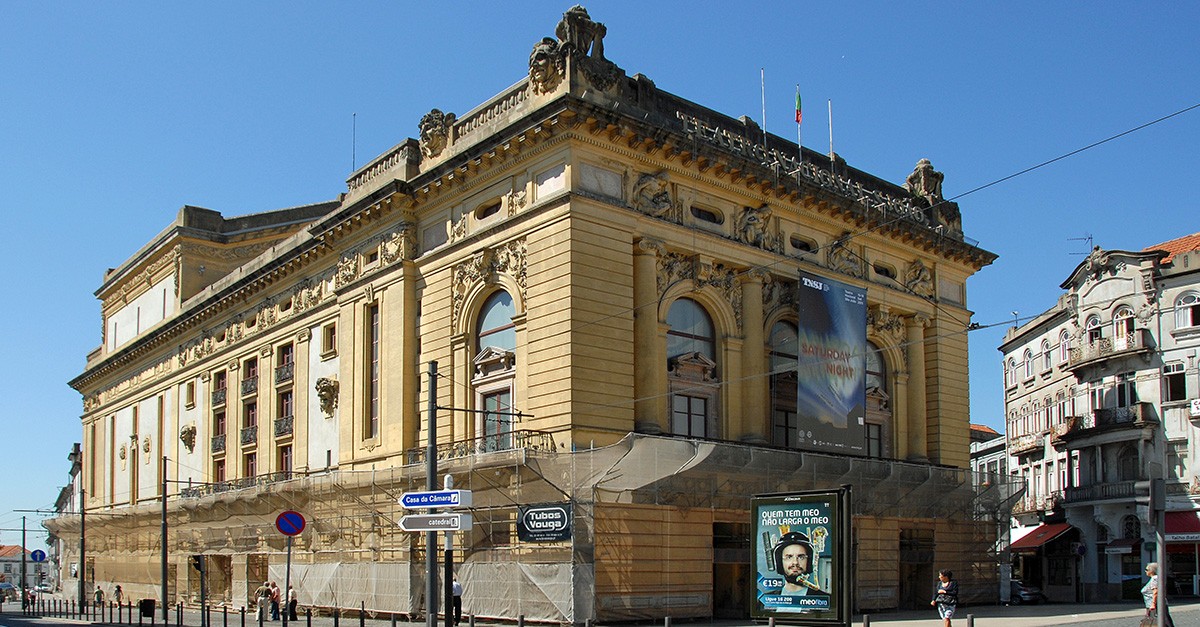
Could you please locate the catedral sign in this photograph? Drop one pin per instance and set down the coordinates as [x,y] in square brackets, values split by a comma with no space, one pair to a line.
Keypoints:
[802,562]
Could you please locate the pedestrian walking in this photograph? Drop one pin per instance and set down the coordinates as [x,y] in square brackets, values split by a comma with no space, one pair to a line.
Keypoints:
[99,597]
[456,592]
[118,596]
[946,597]
[262,596]
[274,601]
[1150,596]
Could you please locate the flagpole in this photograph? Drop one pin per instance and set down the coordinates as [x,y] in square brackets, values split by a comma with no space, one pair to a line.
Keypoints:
[831,153]
[762,74]
[799,116]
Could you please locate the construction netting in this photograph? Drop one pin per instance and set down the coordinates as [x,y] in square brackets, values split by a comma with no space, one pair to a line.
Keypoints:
[660,526]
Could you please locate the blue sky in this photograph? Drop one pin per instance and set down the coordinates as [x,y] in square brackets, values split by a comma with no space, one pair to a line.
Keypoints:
[114,115]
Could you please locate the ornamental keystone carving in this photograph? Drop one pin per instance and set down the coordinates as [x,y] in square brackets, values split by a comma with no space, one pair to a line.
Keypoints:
[327,392]
[651,194]
[435,132]
[187,435]
[918,279]
[674,267]
[483,267]
[547,66]
[347,270]
[754,228]
[885,323]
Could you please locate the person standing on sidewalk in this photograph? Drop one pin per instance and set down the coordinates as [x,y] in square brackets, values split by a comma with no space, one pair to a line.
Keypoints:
[946,598]
[292,602]
[1150,595]
[262,595]
[275,597]
[456,592]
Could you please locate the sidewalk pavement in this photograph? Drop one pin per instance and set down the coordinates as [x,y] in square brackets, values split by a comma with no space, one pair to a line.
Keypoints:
[1043,615]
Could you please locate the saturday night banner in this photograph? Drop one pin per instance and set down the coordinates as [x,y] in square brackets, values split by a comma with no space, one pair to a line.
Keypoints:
[831,373]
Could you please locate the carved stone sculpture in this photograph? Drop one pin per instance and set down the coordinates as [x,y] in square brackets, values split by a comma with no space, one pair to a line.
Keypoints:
[918,279]
[187,435]
[546,66]
[435,132]
[651,194]
[754,227]
[327,391]
[580,35]
[842,259]
[925,183]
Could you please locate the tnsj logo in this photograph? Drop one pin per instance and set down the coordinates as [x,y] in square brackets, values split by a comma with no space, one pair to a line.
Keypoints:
[816,285]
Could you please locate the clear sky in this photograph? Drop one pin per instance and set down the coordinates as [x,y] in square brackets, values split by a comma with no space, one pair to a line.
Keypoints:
[114,115]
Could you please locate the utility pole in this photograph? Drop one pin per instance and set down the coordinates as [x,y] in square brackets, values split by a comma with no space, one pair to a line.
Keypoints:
[24,593]
[431,599]
[82,573]
[164,539]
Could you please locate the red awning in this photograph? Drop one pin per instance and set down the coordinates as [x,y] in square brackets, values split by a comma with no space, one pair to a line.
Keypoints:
[1036,538]
[1182,527]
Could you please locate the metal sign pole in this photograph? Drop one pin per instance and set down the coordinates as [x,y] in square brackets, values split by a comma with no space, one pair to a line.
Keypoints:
[431,602]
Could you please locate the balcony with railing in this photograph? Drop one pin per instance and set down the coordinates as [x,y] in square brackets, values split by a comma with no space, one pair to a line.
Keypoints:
[1108,419]
[249,386]
[1114,491]
[249,435]
[235,484]
[1025,443]
[218,443]
[218,397]
[284,373]
[1035,504]
[283,426]
[508,441]
[1089,353]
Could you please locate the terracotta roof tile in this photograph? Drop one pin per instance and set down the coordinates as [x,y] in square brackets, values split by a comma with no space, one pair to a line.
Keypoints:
[1178,245]
[984,429]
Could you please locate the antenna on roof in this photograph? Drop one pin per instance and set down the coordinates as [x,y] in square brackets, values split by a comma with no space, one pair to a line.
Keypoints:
[353,141]
[1087,237]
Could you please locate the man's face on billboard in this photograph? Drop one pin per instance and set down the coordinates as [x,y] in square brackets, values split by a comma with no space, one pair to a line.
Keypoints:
[795,562]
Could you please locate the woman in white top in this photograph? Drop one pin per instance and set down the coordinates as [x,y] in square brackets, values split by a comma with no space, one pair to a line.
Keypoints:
[1150,596]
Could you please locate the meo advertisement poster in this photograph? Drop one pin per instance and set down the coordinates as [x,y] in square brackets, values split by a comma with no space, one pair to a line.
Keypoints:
[831,365]
[800,566]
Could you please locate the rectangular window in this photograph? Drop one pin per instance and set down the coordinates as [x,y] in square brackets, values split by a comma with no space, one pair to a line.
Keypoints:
[250,465]
[786,428]
[1126,390]
[219,423]
[874,440]
[497,420]
[689,414]
[286,354]
[250,369]
[250,414]
[371,429]
[1097,396]
[189,394]
[285,404]
[329,340]
[1177,456]
[285,458]
[1176,384]
[219,471]
[219,380]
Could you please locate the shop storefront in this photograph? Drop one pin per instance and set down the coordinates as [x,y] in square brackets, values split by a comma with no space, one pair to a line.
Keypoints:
[1182,535]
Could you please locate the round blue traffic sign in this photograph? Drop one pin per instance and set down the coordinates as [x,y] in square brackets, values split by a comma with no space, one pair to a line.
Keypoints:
[290,523]
[38,555]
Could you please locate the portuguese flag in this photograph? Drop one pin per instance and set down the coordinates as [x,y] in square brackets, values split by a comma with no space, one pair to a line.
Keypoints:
[799,111]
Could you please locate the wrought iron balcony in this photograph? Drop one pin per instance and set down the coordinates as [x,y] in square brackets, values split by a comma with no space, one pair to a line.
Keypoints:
[1117,491]
[1031,504]
[512,440]
[1135,416]
[284,373]
[249,435]
[235,484]
[283,426]
[249,386]
[1087,353]
[218,397]
[218,443]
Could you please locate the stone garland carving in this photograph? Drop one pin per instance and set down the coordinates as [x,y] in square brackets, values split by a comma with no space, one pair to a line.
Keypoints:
[840,258]
[327,392]
[123,456]
[754,228]
[547,66]
[146,450]
[514,200]
[457,230]
[434,130]
[918,279]
[400,245]
[187,435]
[886,324]
[347,270]
[674,267]
[652,195]
[483,267]
[307,295]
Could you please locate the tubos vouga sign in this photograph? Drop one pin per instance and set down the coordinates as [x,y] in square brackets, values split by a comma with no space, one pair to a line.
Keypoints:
[549,522]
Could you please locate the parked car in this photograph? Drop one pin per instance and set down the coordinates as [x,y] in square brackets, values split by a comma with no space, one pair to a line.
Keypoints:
[44,587]
[1020,593]
[8,591]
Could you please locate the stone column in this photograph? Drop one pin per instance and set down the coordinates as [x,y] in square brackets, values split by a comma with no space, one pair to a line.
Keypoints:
[918,419]
[753,415]
[649,365]
[900,414]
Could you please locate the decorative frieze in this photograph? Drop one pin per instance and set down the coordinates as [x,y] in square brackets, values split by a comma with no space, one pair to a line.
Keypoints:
[674,267]
[508,259]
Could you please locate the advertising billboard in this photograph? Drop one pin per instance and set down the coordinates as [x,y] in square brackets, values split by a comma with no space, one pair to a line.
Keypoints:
[831,365]
[801,563]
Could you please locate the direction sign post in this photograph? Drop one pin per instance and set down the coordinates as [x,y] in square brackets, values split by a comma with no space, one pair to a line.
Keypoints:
[290,523]
[37,555]
[436,499]
[436,522]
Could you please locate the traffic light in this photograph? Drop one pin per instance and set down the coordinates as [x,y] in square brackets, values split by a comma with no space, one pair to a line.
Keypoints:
[1152,493]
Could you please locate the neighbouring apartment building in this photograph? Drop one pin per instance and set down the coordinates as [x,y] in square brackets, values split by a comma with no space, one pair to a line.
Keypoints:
[590,287]
[1099,393]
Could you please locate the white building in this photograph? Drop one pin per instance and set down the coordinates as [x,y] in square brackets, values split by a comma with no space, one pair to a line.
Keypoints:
[1097,393]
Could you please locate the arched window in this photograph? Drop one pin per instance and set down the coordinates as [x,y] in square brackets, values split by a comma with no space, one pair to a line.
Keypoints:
[1092,327]
[494,372]
[1123,328]
[879,407]
[1187,311]
[1064,346]
[1029,364]
[1127,464]
[1131,527]
[783,346]
[691,369]
[1047,355]
[1010,372]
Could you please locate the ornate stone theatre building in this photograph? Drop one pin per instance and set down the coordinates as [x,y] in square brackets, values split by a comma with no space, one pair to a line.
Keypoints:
[605,275]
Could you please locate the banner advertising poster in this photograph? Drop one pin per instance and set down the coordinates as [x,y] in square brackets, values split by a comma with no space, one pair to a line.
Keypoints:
[831,365]
[799,557]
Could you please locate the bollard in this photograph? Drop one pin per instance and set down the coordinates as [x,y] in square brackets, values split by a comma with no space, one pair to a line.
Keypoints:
[393,620]
[771,622]
[224,616]
[471,620]
[970,620]
[362,614]
[520,620]
[866,620]
[666,621]
[243,612]
[587,623]
[308,617]
[336,617]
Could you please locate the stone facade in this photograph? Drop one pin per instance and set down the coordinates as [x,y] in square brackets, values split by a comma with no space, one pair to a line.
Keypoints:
[533,250]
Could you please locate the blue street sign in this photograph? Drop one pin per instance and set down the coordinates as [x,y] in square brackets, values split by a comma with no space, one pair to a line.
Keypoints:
[38,555]
[440,498]
[290,523]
